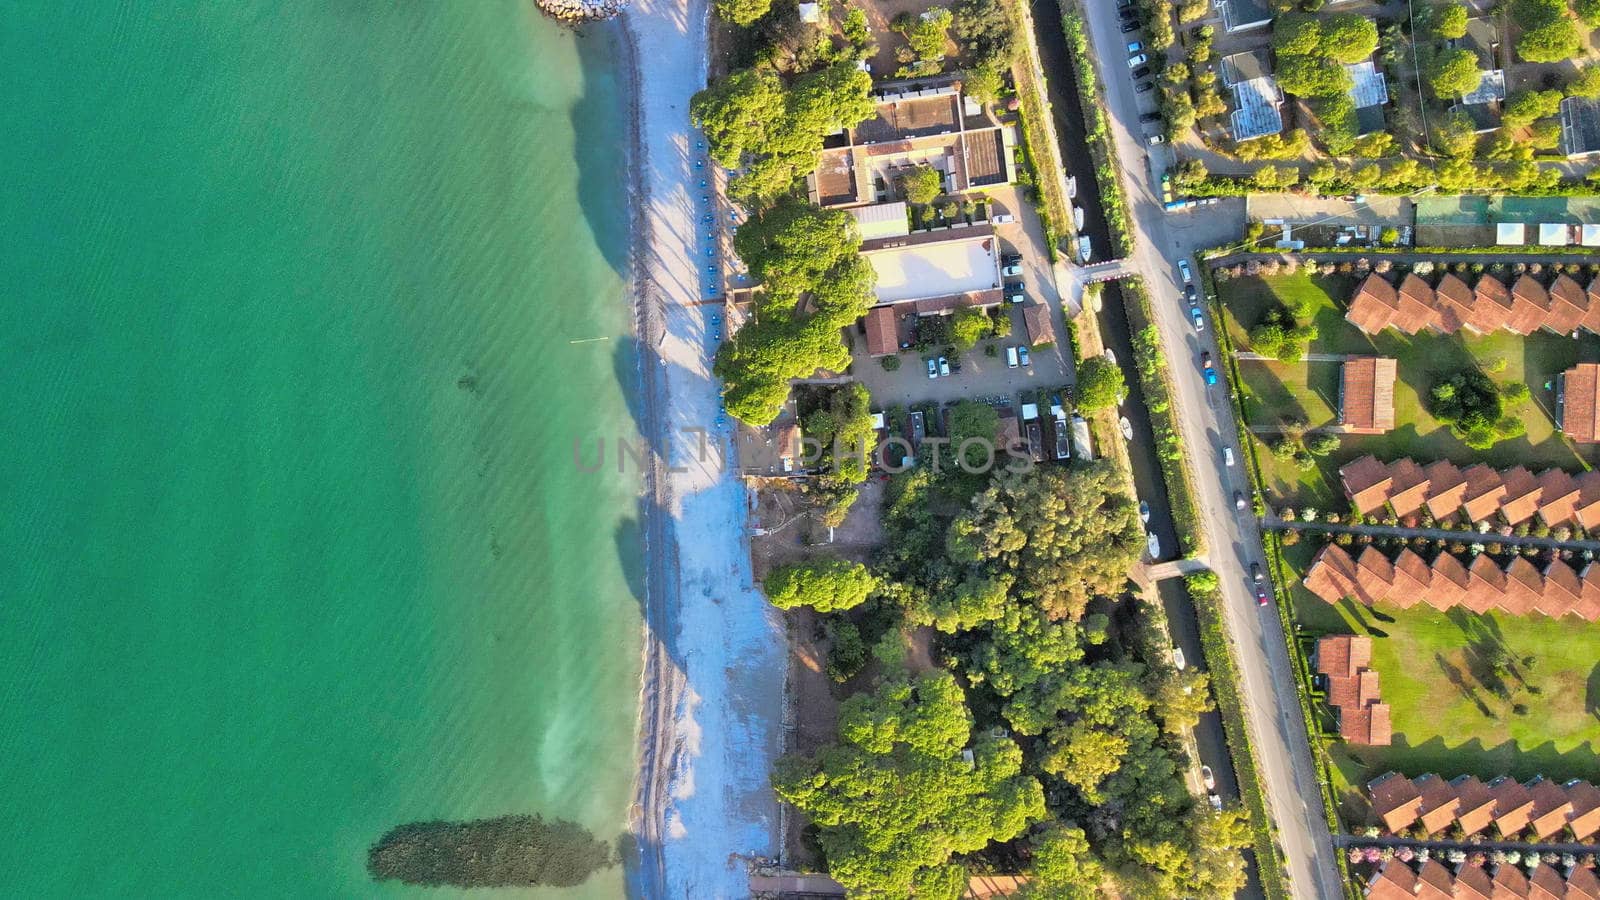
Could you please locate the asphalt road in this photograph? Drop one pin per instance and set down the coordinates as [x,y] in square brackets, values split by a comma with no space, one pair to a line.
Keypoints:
[1272,708]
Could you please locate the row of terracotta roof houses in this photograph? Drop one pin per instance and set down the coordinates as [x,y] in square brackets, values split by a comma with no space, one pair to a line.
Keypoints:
[1433,880]
[1475,494]
[1352,689]
[1540,810]
[1488,306]
[1518,589]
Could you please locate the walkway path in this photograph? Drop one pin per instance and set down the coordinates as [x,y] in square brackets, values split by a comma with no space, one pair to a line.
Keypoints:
[1273,522]
[1309,357]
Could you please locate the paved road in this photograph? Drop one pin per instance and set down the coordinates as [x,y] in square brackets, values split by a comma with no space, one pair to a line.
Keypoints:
[1268,684]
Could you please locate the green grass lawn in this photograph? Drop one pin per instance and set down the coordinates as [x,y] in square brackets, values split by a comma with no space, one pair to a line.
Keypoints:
[1309,391]
[1451,715]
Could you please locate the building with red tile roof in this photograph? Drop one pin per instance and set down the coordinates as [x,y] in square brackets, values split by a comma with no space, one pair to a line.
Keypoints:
[1433,880]
[1474,883]
[1396,801]
[1353,689]
[1583,884]
[1479,493]
[1584,817]
[1513,806]
[1546,883]
[1474,804]
[1518,589]
[883,333]
[1366,394]
[1436,803]
[1551,808]
[1489,306]
[1578,403]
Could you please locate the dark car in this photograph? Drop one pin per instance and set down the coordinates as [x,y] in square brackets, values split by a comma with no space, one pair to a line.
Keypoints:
[1130,27]
[1147,118]
[1255,572]
[1141,87]
[1010,259]
[1190,295]
[1141,72]
[1205,357]
[1016,286]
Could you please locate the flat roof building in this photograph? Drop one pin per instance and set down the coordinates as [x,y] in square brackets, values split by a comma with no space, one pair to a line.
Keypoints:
[932,265]
[1369,91]
[1580,126]
[1243,15]
[1257,99]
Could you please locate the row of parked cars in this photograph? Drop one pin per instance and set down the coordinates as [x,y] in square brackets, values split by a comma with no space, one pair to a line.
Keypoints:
[1139,63]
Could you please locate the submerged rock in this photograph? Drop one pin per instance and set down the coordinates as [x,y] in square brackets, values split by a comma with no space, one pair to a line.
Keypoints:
[574,11]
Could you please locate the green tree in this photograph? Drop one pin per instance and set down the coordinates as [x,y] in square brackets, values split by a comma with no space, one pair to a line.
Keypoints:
[1312,76]
[1455,135]
[921,184]
[825,584]
[1548,35]
[1296,34]
[967,326]
[1064,537]
[1525,106]
[977,422]
[1181,699]
[894,799]
[1322,443]
[1099,384]
[926,36]
[1454,73]
[1588,12]
[1586,83]
[1373,145]
[983,83]
[1349,37]
[737,112]
[1084,756]
[982,29]
[742,12]
[1064,867]
[1449,22]
[794,246]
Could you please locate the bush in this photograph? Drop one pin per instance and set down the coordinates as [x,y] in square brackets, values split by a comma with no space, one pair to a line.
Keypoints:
[825,584]
[890,363]
[847,652]
[1099,384]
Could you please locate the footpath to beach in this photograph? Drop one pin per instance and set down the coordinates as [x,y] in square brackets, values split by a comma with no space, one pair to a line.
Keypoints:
[712,692]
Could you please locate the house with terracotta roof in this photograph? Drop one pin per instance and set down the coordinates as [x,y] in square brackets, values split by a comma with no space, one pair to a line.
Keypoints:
[1546,883]
[1578,403]
[1447,489]
[1393,881]
[1551,808]
[1518,589]
[1396,801]
[1509,882]
[1485,492]
[1433,880]
[1353,689]
[1523,308]
[1036,319]
[1366,483]
[883,331]
[1474,804]
[1513,806]
[1583,884]
[1437,803]
[1366,394]
[1584,818]
[1474,883]
[1480,493]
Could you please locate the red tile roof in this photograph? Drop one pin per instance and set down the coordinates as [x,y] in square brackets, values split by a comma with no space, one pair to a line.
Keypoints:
[1512,806]
[1366,394]
[1558,497]
[1550,807]
[1584,820]
[1353,689]
[1578,407]
[1433,880]
[1479,491]
[1447,488]
[1410,487]
[1395,801]
[1489,306]
[1036,318]
[883,336]
[1437,803]
[1454,303]
[1518,589]
[1568,305]
[1522,495]
[1546,883]
[1530,306]
[1373,307]
[1474,804]
[1395,881]
[1415,310]
[1587,511]
[1366,482]
[1473,883]
[1583,884]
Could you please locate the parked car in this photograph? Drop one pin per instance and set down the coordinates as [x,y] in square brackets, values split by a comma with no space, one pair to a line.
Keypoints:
[1015,285]
[1002,219]
[1135,46]
[1255,572]
[1015,295]
[1261,595]
[1011,357]
[1211,376]
[1011,269]
[1129,12]
[1141,72]
[1010,259]
[1199,320]
[1238,499]
[1227,455]
[944,367]
[1149,118]
[933,368]
[1129,27]
[1183,270]
[1142,87]
[1190,294]
[1155,139]
[1022,355]
[1137,60]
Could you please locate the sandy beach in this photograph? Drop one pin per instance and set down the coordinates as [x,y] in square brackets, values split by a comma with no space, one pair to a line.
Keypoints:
[711,695]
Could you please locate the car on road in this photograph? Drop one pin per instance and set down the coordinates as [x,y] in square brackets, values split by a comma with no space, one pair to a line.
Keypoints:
[933,368]
[944,367]
[1011,357]
[1155,139]
[1255,572]
[1129,12]
[1149,119]
[1261,595]
[1190,294]
[1227,456]
[1011,269]
[1183,270]
[1238,500]
[1022,355]
[1141,72]
[1199,320]
[1137,60]
[1129,27]
[1207,779]
[1002,219]
[1211,376]
[1135,46]
[1142,87]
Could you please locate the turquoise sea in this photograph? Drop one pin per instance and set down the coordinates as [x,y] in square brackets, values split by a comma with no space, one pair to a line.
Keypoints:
[293,549]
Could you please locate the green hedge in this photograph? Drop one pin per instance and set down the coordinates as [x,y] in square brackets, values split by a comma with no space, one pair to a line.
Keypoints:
[1230,706]
[1038,142]
[1100,145]
[1153,379]
[1238,186]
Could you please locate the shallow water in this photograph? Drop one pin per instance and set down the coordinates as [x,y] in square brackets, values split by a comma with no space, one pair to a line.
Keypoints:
[294,550]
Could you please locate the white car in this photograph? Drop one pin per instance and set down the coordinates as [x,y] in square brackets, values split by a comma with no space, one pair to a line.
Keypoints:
[1011,357]
[1002,219]
[1137,60]
[944,367]
[933,369]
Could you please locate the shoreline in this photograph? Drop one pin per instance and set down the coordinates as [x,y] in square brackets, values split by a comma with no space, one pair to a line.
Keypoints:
[713,653]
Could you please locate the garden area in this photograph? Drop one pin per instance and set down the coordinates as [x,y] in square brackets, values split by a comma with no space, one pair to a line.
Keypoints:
[1475,694]
[1294,397]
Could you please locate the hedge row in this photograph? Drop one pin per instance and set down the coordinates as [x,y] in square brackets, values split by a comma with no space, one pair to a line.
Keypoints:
[1510,251]
[1225,687]
[1037,137]
[1099,135]
[1153,379]
[1238,186]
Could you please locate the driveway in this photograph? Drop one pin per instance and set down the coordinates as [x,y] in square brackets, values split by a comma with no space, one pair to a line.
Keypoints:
[981,377]
[1271,704]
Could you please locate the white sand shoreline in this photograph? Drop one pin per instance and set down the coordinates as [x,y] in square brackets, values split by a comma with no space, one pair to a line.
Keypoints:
[711,688]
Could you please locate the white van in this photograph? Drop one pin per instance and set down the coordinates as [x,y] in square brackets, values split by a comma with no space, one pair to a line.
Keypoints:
[1227,455]
[1011,357]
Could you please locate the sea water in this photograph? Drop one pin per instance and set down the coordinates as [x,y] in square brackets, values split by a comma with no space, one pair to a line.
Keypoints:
[303,306]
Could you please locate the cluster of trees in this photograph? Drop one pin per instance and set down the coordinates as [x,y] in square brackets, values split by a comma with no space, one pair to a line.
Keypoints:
[1281,336]
[983,31]
[823,583]
[1100,384]
[1312,53]
[1548,34]
[1302,449]
[1475,407]
[840,419]
[793,248]
[773,130]
[1064,744]
[925,37]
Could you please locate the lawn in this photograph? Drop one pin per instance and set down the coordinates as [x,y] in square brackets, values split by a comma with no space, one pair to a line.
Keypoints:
[1309,391]
[1451,714]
